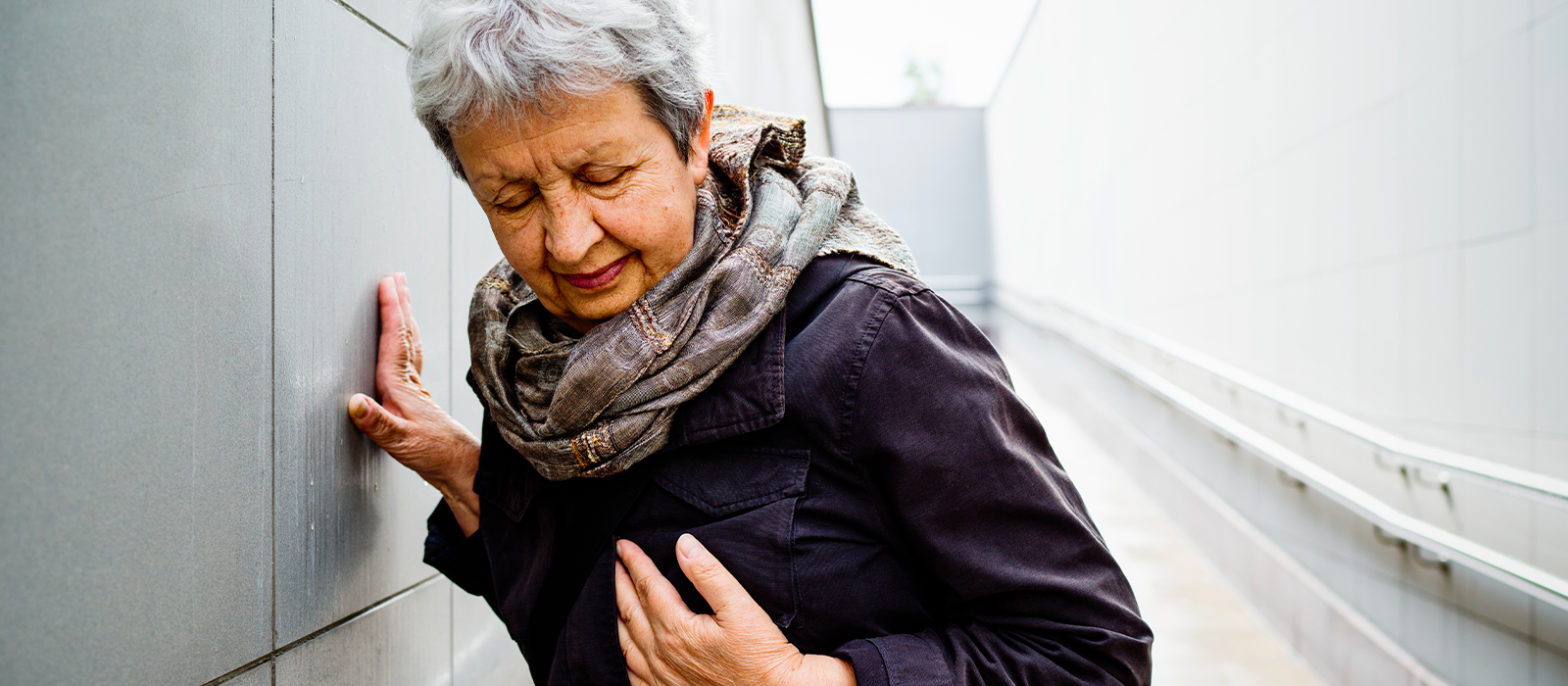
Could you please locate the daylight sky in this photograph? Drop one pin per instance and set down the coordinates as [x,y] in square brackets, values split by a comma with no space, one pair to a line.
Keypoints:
[866,47]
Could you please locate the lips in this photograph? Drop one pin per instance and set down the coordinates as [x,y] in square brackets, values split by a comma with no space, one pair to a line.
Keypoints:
[591,280]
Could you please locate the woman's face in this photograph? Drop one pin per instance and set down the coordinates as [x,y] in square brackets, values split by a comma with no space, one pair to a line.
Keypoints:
[590,203]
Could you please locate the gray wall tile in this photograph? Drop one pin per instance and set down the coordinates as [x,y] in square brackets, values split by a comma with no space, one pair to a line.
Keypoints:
[1549,103]
[474,252]
[151,312]
[1495,139]
[360,194]
[134,340]
[483,654]
[405,641]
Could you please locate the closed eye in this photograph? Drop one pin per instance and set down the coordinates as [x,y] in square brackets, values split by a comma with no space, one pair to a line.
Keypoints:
[516,203]
[603,176]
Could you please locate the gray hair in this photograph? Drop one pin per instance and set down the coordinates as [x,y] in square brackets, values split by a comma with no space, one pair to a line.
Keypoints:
[472,59]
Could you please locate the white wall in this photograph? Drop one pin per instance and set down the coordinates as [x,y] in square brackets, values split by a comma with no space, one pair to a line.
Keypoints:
[923,170]
[1365,201]
[765,57]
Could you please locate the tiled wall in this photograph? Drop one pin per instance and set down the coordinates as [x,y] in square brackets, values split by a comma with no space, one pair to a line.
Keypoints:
[1365,201]
[196,202]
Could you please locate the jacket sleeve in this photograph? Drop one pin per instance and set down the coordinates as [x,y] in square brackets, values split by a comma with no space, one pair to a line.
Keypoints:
[461,558]
[970,483]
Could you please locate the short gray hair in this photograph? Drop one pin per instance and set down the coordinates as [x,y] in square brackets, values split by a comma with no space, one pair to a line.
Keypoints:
[472,59]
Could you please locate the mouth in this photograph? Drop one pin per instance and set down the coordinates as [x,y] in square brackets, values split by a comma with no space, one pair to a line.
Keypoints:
[597,279]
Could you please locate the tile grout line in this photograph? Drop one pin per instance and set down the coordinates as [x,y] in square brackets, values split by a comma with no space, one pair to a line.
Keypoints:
[371,22]
[451,403]
[1530,35]
[272,420]
[272,656]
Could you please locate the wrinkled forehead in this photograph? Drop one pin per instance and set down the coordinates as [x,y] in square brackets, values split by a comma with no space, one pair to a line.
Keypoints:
[571,132]
[552,102]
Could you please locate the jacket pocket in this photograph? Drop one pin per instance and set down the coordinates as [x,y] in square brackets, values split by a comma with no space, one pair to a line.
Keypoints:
[740,503]
[721,483]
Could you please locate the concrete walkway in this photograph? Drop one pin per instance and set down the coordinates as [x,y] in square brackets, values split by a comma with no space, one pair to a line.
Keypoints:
[1204,632]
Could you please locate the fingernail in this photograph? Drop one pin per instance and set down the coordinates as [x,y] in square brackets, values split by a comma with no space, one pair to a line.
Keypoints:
[357,407]
[687,546]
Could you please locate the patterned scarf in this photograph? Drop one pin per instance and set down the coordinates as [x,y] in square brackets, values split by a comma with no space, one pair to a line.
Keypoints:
[596,404]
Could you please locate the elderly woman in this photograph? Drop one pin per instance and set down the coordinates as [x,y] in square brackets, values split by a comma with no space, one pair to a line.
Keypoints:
[728,437]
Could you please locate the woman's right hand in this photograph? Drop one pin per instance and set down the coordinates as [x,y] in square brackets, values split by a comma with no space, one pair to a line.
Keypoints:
[408,423]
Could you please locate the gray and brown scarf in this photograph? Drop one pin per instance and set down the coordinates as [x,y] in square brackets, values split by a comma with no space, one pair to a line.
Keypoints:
[596,404]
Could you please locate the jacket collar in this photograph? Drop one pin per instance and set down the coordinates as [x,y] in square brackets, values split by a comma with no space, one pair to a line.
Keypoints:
[749,396]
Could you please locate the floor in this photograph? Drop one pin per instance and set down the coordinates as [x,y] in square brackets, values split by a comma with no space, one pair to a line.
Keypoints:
[1204,632]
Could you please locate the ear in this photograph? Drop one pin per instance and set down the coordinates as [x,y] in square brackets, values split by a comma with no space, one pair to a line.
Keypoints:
[697,157]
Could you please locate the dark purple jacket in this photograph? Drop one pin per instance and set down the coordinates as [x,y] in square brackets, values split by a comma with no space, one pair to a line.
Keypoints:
[867,473]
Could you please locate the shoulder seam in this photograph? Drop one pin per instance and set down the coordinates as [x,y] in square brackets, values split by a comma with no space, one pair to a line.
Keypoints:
[885,285]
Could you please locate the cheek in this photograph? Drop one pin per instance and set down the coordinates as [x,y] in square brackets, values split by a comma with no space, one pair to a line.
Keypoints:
[522,247]
[659,225]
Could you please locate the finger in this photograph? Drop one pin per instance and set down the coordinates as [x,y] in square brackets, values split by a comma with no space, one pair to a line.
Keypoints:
[373,419]
[729,600]
[638,639]
[629,607]
[405,301]
[660,602]
[391,353]
[636,664]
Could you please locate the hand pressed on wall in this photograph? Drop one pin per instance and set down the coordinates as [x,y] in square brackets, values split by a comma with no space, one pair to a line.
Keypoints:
[666,644]
[408,423]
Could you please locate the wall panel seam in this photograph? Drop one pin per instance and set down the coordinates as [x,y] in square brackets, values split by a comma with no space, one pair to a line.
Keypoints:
[273,656]
[822,88]
[1012,57]
[371,22]
[272,420]
[451,403]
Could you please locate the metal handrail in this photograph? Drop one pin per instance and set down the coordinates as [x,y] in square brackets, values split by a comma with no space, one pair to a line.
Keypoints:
[1445,547]
[1391,450]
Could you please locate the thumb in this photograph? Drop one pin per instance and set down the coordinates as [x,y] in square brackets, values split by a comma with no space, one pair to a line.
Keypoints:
[729,600]
[373,419]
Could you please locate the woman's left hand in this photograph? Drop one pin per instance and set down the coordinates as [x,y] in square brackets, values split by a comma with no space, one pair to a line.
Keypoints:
[666,644]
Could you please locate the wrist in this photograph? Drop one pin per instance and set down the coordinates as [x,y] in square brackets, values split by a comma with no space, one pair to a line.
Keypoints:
[455,475]
[456,485]
[829,671]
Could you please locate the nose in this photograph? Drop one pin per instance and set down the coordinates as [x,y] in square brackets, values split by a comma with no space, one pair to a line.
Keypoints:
[570,230]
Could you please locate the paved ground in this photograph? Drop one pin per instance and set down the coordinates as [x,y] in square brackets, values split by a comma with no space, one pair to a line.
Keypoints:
[1204,632]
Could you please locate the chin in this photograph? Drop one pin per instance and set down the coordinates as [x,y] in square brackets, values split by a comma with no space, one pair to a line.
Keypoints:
[584,315]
